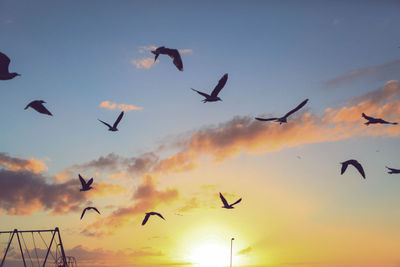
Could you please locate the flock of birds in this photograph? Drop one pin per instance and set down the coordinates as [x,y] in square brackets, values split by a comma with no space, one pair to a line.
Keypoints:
[213,97]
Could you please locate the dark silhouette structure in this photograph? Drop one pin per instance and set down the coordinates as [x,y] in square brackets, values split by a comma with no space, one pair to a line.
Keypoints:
[4,72]
[355,163]
[173,53]
[371,120]
[226,205]
[148,214]
[89,208]
[214,95]
[114,127]
[85,185]
[39,107]
[391,170]
[284,118]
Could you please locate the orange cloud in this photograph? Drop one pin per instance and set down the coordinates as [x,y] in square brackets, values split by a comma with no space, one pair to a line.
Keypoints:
[144,63]
[16,164]
[123,107]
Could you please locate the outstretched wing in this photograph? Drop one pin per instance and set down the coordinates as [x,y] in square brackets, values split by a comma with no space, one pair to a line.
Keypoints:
[367,117]
[220,85]
[90,182]
[201,93]
[296,108]
[236,202]
[42,109]
[159,215]
[109,126]
[94,208]
[358,166]
[146,218]
[392,170]
[223,200]
[118,119]
[82,181]
[344,167]
[269,119]
[4,63]
[83,212]
[174,54]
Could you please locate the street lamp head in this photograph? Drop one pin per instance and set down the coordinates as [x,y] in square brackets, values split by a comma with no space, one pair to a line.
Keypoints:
[233,238]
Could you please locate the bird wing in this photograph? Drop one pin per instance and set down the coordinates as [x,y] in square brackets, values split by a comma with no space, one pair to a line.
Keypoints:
[223,200]
[174,54]
[269,119]
[393,170]
[159,215]
[367,117]
[220,85]
[82,181]
[145,219]
[27,106]
[236,202]
[358,166]
[83,212]
[118,119]
[344,167]
[4,62]
[94,208]
[201,93]
[90,182]
[105,123]
[42,109]
[296,108]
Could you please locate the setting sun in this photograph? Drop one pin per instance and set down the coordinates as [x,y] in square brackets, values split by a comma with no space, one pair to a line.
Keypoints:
[210,255]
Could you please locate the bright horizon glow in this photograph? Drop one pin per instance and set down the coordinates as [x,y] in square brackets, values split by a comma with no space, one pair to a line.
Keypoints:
[211,254]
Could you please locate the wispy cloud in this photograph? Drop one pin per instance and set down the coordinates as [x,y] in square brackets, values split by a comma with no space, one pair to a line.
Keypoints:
[33,165]
[245,251]
[123,107]
[379,72]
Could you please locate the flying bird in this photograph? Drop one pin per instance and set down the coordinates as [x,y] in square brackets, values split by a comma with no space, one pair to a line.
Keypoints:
[148,214]
[284,118]
[39,107]
[89,208]
[172,53]
[391,170]
[114,127]
[214,95]
[226,205]
[371,120]
[85,185]
[4,73]
[355,163]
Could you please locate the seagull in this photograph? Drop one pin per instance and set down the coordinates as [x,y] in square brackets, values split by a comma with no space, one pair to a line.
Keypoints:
[214,95]
[172,53]
[355,163]
[148,214]
[85,186]
[4,73]
[284,118]
[89,208]
[226,205]
[39,107]
[114,127]
[391,170]
[372,120]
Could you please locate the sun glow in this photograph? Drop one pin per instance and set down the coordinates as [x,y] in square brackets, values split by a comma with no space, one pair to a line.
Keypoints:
[210,255]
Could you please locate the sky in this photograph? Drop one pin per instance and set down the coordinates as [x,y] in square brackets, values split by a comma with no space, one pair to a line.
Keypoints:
[173,154]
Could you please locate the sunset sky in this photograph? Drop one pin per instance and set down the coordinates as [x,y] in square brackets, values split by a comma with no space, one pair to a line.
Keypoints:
[173,154]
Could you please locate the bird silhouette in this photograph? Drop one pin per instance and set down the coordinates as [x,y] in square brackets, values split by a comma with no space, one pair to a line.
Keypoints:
[371,120]
[39,107]
[148,214]
[391,170]
[114,127]
[4,72]
[214,95]
[284,118]
[89,208]
[85,185]
[226,205]
[355,163]
[173,53]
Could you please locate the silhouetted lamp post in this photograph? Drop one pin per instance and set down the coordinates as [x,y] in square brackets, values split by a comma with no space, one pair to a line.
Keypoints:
[231,249]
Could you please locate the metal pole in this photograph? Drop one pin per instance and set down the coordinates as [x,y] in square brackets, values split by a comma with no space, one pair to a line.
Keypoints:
[48,250]
[62,247]
[231,249]
[8,246]
[20,247]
